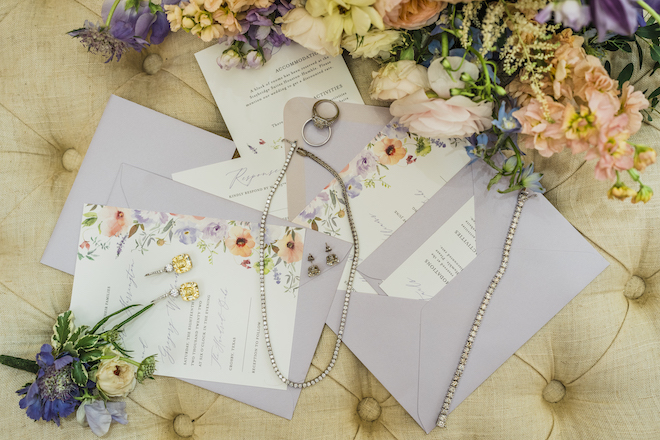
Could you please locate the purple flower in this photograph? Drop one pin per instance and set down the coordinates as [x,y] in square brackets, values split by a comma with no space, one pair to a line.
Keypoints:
[569,13]
[254,60]
[505,120]
[215,230]
[99,415]
[229,59]
[311,211]
[52,395]
[618,16]
[477,148]
[366,163]
[353,187]
[187,234]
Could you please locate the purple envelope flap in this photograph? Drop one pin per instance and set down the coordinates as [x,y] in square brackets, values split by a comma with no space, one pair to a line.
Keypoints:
[536,286]
[315,296]
[385,332]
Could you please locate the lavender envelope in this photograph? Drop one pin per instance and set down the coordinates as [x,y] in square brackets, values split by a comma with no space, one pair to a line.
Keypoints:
[128,133]
[413,346]
[136,188]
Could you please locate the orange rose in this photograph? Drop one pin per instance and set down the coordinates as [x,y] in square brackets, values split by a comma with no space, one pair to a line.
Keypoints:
[389,151]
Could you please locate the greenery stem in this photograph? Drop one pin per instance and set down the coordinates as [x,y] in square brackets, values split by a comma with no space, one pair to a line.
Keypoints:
[445,44]
[132,317]
[19,363]
[104,320]
[111,13]
[649,9]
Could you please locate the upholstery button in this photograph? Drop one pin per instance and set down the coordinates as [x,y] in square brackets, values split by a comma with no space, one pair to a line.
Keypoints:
[368,409]
[634,287]
[183,425]
[152,64]
[554,391]
[71,160]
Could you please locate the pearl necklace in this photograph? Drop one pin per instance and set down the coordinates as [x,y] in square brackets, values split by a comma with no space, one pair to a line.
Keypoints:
[262,281]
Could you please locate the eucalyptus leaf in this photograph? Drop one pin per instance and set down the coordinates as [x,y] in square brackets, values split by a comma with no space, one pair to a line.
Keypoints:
[626,73]
[640,54]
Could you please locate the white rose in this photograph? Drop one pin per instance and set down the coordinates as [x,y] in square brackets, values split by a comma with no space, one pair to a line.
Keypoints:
[442,81]
[399,79]
[116,378]
[371,44]
[308,31]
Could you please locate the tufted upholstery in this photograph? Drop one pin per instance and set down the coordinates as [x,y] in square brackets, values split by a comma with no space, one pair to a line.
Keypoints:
[590,373]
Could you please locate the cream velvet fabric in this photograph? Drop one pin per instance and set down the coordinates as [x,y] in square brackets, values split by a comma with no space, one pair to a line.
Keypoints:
[591,373]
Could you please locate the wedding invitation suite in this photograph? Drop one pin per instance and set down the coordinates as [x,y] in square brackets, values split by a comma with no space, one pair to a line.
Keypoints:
[387,182]
[217,337]
[252,101]
[443,256]
[244,180]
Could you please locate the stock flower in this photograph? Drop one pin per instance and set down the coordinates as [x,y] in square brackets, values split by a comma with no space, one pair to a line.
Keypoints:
[632,102]
[308,31]
[254,60]
[230,59]
[350,16]
[114,221]
[590,76]
[643,195]
[443,80]
[240,241]
[115,377]
[376,42]
[52,395]
[389,151]
[505,120]
[620,191]
[454,117]
[98,415]
[613,151]
[580,128]
[548,137]
[397,80]
[644,156]
[290,249]
[409,14]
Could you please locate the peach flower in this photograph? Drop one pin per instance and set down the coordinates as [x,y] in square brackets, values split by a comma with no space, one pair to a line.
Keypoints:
[409,14]
[613,150]
[228,21]
[631,103]
[308,31]
[590,76]
[290,249]
[389,151]
[538,133]
[212,5]
[114,221]
[240,241]
[455,117]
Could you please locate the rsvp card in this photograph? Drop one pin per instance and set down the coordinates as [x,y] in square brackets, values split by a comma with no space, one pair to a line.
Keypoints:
[252,101]
[219,336]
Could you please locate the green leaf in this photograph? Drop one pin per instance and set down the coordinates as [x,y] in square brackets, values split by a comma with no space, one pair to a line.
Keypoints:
[79,331]
[68,347]
[626,73]
[640,54]
[19,363]
[62,329]
[79,374]
[655,53]
[649,31]
[87,341]
[89,221]
[494,180]
[423,146]
[90,355]
[134,4]
[153,8]
[133,230]
[104,320]
[654,93]
[408,54]
[608,68]
[90,214]
[168,225]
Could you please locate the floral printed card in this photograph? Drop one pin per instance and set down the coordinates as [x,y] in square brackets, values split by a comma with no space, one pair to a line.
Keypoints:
[387,182]
[217,337]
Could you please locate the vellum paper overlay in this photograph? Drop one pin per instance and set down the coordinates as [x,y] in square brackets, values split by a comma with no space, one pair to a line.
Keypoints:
[219,336]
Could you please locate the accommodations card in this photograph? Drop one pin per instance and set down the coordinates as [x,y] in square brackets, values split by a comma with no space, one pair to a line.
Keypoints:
[443,256]
[217,337]
[387,182]
[252,101]
[244,180]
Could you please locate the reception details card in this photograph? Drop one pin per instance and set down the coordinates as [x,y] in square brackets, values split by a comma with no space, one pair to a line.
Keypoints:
[219,336]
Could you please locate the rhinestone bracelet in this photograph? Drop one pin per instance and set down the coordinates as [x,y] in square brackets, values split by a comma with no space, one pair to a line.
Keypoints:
[523,195]
[262,283]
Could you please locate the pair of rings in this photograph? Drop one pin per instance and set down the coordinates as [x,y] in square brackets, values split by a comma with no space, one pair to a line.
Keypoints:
[320,122]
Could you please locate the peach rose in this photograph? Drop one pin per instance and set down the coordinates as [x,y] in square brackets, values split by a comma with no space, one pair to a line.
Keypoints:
[240,241]
[114,221]
[409,14]
[397,80]
[308,31]
[290,249]
[455,117]
[389,151]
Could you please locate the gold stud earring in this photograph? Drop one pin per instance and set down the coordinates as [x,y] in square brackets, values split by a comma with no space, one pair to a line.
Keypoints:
[180,264]
[187,292]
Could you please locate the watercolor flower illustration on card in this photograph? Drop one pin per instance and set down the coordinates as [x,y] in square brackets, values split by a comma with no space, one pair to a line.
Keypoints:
[389,151]
[240,241]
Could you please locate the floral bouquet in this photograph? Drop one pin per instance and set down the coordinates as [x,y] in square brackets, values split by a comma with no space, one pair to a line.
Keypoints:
[85,369]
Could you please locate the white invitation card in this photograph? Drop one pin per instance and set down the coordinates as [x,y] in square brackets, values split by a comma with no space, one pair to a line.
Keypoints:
[387,182]
[252,101]
[217,337]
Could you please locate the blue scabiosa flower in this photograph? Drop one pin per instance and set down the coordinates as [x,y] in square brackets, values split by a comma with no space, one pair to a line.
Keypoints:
[52,395]
[506,121]
[531,180]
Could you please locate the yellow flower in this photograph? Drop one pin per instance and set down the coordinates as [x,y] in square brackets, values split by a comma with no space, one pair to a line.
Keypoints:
[350,16]
[643,195]
[644,156]
[620,191]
